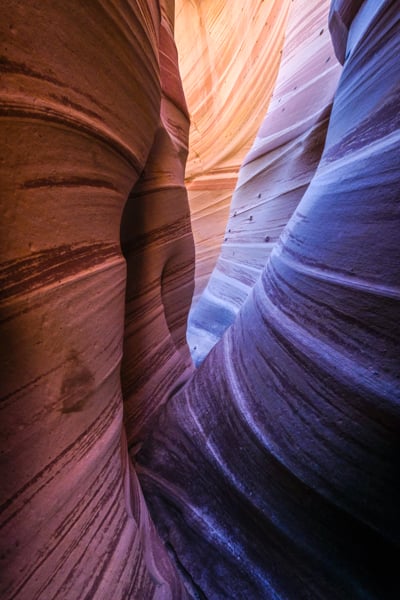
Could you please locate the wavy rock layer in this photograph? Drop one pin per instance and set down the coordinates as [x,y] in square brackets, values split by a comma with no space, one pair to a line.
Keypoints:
[274,472]
[80,113]
[274,174]
[229,53]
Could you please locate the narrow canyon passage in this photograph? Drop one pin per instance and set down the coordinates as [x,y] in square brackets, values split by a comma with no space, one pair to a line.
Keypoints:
[274,473]
[273,176]
[272,470]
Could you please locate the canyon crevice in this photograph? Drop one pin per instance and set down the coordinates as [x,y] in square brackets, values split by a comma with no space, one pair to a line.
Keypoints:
[271,470]
[275,173]
[229,56]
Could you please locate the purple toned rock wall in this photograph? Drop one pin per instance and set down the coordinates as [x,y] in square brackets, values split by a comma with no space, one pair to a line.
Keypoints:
[274,472]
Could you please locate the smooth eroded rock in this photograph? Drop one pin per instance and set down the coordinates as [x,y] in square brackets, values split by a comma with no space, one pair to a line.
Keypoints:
[274,472]
[275,173]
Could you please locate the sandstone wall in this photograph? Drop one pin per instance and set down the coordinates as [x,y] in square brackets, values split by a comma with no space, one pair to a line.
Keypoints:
[85,122]
[275,173]
[229,54]
[274,472]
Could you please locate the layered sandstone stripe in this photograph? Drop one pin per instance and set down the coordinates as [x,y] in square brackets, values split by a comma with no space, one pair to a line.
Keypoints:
[274,473]
[229,54]
[80,110]
[275,173]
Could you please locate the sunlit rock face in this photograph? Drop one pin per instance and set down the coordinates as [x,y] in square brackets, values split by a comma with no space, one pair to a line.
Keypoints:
[229,54]
[275,172]
[85,123]
[274,472]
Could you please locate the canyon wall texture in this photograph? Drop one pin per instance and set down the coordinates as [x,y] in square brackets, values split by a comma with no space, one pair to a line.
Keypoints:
[275,172]
[157,243]
[274,472]
[92,111]
[229,54]
[271,472]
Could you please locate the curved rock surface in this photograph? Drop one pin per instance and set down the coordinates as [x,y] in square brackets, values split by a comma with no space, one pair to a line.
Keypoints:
[84,121]
[275,172]
[274,472]
[229,54]
[157,243]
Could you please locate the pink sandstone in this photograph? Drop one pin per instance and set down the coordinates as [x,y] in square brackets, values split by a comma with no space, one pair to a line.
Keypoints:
[270,471]
[229,57]
[82,106]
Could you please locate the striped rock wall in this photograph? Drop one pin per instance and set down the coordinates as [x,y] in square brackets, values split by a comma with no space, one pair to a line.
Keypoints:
[229,54]
[275,173]
[85,123]
[274,472]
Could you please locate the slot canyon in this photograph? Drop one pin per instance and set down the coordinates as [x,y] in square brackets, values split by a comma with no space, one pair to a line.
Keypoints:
[200,300]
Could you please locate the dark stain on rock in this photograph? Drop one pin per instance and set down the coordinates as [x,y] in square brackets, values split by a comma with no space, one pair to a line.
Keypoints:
[77,385]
